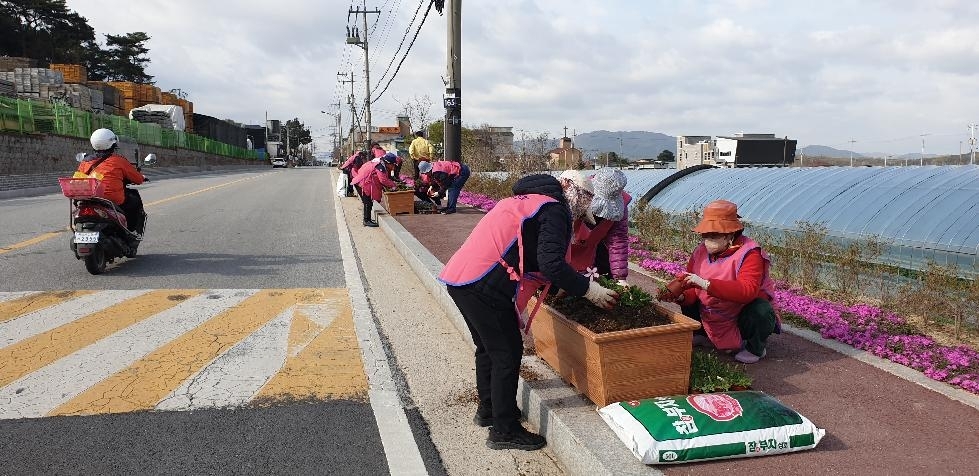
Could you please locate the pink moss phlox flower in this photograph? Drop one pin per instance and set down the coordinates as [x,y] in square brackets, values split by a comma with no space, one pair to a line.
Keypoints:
[862,326]
[477,200]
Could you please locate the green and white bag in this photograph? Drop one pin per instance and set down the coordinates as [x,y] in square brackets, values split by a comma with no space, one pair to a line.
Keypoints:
[684,428]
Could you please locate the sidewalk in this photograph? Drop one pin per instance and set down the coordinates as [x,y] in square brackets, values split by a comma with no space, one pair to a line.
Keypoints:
[876,421]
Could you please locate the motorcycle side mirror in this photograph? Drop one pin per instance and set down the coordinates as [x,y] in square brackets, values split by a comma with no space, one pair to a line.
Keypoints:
[80,157]
[150,160]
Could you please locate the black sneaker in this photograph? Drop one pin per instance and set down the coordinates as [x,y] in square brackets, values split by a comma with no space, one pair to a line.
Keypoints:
[483,418]
[520,439]
[370,223]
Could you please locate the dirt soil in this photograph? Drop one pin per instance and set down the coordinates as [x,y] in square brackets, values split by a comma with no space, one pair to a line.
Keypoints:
[597,320]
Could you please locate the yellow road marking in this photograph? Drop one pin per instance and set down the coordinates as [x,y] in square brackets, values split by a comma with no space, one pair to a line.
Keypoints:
[149,380]
[32,241]
[201,190]
[13,309]
[31,354]
[328,365]
[49,235]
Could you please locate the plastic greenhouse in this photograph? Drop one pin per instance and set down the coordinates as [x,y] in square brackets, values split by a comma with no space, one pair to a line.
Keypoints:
[923,214]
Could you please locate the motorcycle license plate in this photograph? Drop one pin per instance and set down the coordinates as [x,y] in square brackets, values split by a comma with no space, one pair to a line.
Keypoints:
[86,237]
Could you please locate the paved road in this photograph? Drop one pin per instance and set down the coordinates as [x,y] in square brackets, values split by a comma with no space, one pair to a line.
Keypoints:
[231,344]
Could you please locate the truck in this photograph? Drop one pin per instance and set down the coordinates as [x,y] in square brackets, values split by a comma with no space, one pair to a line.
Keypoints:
[275,149]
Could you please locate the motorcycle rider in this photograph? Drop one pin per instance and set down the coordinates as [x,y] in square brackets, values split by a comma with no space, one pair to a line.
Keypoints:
[114,171]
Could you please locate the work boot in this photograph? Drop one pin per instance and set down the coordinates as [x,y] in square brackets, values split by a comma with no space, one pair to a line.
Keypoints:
[520,439]
[484,417]
[370,223]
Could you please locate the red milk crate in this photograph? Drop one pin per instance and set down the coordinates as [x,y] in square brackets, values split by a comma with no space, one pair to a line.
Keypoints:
[79,188]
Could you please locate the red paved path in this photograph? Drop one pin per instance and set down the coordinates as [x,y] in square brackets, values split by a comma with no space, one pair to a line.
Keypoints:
[875,422]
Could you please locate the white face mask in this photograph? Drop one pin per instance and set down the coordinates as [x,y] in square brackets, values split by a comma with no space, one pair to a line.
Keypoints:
[717,245]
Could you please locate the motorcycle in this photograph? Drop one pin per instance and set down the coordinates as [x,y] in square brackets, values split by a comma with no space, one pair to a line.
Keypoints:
[100,233]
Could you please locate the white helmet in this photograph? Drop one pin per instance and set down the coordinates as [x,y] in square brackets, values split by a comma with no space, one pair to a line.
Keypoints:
[103,139]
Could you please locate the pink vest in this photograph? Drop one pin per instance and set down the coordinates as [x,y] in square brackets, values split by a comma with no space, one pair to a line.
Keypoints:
[450,167]
[719,317]
[490,239]
[584,241]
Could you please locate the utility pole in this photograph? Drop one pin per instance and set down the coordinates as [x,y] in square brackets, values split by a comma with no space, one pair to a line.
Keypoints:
[922,161]
[452,101]
[852,141]
[363,43]
[972,143]
[353,108]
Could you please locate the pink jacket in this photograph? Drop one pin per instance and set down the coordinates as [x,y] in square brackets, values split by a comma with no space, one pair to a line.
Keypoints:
[372,178]
[718,316]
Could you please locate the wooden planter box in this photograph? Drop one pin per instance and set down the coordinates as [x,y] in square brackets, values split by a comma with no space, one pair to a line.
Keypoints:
[617,366]
[397,203]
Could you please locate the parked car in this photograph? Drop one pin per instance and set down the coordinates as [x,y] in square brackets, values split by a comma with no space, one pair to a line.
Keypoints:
[278,162]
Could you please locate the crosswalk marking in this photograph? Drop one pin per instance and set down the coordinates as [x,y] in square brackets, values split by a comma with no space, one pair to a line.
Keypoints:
[23,304]
[324,359]
[42,320]
[38,393]
[149,380]
[90,352]
[234,377]
[40,350]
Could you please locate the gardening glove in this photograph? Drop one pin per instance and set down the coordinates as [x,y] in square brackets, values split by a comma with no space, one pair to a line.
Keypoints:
[694,280]
[600,296]
[622,283]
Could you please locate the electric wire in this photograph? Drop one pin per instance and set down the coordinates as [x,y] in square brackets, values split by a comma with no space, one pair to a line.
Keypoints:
[407,50]
[407,30]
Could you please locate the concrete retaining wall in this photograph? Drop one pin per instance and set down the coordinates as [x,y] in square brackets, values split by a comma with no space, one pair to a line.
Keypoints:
[30,164]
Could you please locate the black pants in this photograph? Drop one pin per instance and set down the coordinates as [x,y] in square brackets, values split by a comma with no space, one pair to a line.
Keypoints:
[368,205]
[499,347]
[755,322]
[133,208]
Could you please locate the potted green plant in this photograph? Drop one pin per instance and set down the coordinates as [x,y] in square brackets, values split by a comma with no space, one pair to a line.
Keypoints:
[638,350]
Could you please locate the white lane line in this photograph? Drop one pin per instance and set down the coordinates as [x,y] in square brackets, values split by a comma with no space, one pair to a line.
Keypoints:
[11,295]
[233,378]
[399,444]
[38,393]
[43,320]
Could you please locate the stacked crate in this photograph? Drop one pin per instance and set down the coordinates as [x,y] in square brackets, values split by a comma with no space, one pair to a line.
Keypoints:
[188,108]
[147,94]
[28,81]
[111,98]
[72,73]
[127,96]
[7,88]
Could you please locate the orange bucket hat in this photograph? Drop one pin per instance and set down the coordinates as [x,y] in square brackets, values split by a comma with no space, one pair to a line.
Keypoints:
[720,216]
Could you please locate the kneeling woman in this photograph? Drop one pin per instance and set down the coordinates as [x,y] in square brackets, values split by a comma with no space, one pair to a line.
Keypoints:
[730,290]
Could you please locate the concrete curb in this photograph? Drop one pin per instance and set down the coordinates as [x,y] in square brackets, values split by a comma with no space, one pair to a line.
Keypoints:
[892,368]
[575,432]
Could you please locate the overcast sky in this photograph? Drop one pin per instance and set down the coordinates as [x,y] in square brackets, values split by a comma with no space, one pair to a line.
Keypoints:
[881,73]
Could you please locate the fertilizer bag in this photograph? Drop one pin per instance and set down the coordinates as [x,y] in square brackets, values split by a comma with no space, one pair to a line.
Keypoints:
[684,428]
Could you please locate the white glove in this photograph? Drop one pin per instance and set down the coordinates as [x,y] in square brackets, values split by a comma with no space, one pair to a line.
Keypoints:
[694,280]
[622,283]
[601,296]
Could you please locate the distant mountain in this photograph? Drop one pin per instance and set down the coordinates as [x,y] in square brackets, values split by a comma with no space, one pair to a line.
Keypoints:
[827,151]
[634,144]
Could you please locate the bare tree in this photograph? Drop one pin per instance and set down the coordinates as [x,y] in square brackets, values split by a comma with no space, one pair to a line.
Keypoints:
[419,111]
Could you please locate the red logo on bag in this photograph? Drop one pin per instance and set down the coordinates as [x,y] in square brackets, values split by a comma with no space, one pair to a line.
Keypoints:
[718,406]
[633,403]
